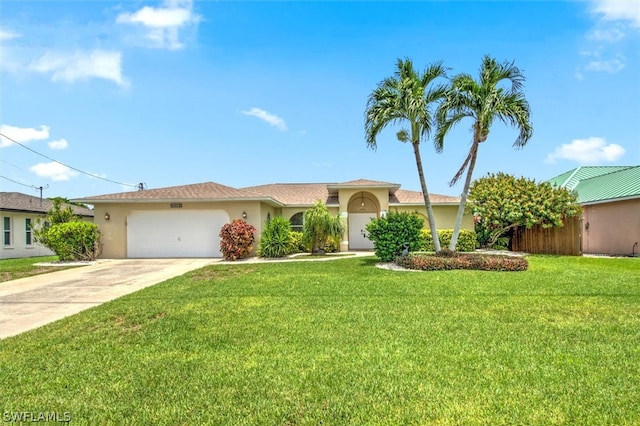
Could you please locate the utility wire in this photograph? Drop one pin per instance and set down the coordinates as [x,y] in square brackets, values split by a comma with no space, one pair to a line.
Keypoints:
[66,165]
[15,181]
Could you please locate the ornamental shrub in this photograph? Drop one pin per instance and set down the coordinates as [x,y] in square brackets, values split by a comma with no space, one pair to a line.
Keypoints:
[390,233]
[275,240]
[296,243]
[467,240]
[455,260]
[320,227]
[74,240]
[236,239]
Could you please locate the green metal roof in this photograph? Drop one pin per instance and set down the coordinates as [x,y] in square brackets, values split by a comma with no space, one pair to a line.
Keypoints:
[572,178]
[620,184]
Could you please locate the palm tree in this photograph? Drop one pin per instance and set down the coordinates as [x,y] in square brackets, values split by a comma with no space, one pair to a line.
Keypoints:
[483,101]
[407,97]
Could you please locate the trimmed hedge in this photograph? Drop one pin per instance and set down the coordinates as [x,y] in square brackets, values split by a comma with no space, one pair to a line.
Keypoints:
[467,240]
[455,260]
[74,240]
[390,233]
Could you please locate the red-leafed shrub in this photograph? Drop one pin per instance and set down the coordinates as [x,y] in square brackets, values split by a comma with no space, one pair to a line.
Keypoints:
[456,260]
[236,239]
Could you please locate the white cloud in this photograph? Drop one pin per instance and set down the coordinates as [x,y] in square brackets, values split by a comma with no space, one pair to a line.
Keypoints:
[609,35]
[59,144]
[592,150]
[611,66]
[163,23]
[619,10]
[22,134]
[54,171]
[271,119]
[81,65]
[8,35]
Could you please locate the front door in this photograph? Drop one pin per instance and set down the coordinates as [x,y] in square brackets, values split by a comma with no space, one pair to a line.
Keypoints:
[358,235]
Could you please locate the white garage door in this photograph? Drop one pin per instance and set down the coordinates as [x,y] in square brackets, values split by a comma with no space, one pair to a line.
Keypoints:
[175,233]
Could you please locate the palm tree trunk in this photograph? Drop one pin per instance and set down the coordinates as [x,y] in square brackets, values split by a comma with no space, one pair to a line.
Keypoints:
[427,201]
[463,196]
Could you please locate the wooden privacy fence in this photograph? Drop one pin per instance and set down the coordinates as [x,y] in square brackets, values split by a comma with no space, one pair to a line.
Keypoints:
[565,240]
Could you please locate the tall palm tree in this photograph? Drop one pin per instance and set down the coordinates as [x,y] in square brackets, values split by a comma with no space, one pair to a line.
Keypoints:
[483,101]
[407,97]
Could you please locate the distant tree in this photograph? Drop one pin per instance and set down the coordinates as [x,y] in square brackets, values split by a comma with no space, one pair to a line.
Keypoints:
[483,101]
[407,97]
[320,227]
[501,202]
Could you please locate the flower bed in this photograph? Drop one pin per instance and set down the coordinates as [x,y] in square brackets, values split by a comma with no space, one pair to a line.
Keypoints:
[455,260]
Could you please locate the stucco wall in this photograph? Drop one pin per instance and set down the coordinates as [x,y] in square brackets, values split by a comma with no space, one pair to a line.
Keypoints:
[445,216]
[114,230]
[19,247]
[612,228]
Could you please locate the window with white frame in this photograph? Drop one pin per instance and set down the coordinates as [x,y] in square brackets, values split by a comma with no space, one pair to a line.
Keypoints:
[7,231]
[28,232]
[296,222]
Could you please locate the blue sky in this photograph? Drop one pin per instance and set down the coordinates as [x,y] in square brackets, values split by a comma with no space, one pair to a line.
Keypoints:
[246,93]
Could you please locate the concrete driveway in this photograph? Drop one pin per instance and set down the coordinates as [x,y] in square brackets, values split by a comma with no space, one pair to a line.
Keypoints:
[31,302]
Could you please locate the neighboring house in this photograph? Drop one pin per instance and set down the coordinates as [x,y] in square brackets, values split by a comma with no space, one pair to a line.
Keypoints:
[610,199]
[185,221]
[20,213]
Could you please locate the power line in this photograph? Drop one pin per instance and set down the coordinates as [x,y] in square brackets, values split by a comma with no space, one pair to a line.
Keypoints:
[15,181]
[66,165]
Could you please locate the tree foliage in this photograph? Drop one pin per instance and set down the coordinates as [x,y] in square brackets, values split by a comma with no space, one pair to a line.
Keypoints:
[64,233]
[483,101]
[320,227]
[76,240]
[500,202]
[390,233]
[408,97]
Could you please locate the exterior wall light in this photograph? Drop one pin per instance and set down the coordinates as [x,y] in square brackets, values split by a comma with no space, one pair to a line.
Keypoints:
[107,216]
[244,215]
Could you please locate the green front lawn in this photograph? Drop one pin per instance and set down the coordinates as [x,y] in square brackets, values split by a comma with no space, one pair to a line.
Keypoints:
[343,342]
[12,269]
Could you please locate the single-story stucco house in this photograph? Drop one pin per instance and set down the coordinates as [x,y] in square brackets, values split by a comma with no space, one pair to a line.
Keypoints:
[610,199]
[185,221]
[20,213]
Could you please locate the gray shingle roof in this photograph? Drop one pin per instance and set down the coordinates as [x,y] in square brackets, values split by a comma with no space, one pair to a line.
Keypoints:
[207,191]
[18,202]
[283,194]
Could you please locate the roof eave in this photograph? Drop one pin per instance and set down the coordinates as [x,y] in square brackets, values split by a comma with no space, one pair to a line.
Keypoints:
[268,200]
[609,200]
[439,203]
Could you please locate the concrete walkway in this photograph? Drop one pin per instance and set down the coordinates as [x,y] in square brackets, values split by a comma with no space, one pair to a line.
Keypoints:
[32,302]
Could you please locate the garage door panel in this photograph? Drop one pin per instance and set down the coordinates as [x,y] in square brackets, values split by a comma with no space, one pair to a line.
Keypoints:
[185,233]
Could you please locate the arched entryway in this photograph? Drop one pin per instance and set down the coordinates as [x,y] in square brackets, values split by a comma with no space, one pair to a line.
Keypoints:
[362,208]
